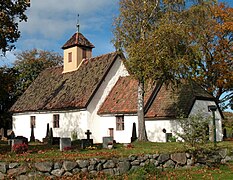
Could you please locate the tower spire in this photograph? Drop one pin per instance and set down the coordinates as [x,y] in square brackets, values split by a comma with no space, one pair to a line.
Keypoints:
[78,25]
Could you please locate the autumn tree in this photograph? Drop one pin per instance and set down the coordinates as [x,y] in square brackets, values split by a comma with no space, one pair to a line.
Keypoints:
[211,34]
[11,12]
[150,34]
[30,63]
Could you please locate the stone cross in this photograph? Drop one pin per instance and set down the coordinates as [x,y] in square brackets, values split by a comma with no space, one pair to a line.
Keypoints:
[88,133]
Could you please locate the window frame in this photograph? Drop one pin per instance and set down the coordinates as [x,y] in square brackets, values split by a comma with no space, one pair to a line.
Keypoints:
[120,124]
[56,121]
[69,57]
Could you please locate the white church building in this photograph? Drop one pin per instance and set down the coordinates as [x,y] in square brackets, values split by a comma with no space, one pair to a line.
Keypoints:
[98,94]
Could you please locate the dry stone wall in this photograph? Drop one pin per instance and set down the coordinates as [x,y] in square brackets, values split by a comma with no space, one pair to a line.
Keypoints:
[114,166]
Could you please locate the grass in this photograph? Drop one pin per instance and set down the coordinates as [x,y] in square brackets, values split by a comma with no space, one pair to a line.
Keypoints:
[42,152]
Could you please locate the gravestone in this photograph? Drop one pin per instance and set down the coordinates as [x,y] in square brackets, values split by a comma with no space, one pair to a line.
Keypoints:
[134,133]
[65,144]
[46,138]
[23,139]
[32,137]
[87,142]
[106,141]
[50,138]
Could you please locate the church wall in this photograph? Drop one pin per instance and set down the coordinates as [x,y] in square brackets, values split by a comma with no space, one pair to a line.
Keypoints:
[97,124]
[155,127]
[202,107]
[70,122]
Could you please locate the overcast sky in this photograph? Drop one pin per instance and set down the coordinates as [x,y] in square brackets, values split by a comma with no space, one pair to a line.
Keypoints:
[52,22]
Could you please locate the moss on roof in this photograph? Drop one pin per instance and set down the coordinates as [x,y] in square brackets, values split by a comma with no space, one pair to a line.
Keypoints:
[168,101]
[53,90]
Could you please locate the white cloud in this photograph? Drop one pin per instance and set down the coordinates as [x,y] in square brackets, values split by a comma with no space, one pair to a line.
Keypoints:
[52,18]
[52,22]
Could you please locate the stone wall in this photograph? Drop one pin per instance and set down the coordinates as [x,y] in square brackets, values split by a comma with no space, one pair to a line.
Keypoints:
[114,166]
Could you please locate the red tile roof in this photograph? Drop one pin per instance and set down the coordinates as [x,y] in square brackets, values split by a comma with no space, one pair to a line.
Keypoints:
[77,40]
[123,97]
[167,103]
[53,90]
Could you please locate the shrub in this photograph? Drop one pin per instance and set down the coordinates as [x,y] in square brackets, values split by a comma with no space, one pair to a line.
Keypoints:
[20,148]
[195,130]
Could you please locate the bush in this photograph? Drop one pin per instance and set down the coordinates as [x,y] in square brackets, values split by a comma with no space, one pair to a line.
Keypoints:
[195,130]
[20,148]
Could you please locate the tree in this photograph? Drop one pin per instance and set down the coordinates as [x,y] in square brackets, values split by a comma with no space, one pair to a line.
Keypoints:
[211,35]
[30,63]
[8,78]
[11,11]
[149,32]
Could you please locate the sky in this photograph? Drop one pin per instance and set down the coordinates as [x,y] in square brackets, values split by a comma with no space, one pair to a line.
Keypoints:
[52,22]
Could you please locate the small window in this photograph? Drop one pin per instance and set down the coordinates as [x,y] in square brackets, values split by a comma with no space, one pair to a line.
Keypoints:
[84,53]
[120,123]
[56,120]
[33,121]
[70,57]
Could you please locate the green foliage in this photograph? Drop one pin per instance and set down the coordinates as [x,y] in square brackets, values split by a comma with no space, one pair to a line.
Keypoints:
[30,63]
[194,130]
[11,11]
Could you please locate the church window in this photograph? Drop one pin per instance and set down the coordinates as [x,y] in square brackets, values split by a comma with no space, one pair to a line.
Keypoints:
[70,57]
[56,118]
[120,123]
[32,121]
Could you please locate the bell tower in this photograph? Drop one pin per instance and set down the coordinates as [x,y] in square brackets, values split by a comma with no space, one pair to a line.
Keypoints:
[76,49]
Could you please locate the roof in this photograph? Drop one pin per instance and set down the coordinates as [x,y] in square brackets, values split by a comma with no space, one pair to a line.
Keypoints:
[123,97]
[54,90]
[161,101]
[78,40]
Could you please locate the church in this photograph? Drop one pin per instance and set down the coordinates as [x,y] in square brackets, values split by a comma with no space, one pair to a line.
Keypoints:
[98,94]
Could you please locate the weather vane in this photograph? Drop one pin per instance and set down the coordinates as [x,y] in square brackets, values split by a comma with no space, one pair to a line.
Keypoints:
[78,26]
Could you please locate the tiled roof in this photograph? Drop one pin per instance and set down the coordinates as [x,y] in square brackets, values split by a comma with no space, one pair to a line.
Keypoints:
[53,90]
[77,40]
[167,102]
[123,97]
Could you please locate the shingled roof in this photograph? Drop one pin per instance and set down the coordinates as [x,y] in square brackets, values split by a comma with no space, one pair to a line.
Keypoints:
[161,101]
[77,40]
[53,90]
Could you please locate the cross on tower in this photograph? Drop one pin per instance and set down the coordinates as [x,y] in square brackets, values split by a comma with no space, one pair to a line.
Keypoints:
[88,133]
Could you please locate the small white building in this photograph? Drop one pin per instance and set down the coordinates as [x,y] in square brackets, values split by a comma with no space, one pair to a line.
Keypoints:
[97,94]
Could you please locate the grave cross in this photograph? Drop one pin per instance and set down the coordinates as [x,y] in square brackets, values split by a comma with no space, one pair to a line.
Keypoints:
[88,133]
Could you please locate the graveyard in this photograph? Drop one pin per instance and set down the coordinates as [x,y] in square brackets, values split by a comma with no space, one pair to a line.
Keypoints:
[61,157]
[55,148]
